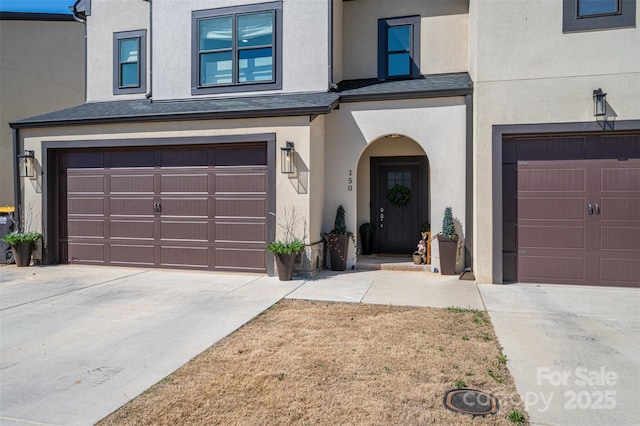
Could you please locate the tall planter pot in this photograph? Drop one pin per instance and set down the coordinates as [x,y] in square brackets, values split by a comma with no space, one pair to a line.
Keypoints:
[338,246]
[22,253]
[366,239]
[285,263]
[448,252]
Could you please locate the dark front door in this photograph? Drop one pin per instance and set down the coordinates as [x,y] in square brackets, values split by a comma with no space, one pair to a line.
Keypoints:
[397,225]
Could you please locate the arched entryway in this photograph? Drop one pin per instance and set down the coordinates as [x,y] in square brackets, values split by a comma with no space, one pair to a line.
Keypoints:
[393,193]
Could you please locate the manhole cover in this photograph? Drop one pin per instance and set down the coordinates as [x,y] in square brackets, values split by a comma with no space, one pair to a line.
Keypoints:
[470,401]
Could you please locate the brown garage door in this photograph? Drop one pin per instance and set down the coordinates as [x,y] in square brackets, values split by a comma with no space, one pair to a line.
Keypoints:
[196,208]
[577,220]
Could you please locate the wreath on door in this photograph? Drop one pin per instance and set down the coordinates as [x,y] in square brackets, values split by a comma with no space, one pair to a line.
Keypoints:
[399,195]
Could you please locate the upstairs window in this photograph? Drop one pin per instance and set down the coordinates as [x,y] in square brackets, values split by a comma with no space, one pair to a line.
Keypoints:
[237,49]
[129,64]
[585,15]
[399,48]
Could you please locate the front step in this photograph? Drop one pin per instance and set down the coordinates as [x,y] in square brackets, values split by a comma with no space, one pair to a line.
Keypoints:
[386,263]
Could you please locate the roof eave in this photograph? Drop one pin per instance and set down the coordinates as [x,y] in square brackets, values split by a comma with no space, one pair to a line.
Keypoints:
[186,116]
[420,94]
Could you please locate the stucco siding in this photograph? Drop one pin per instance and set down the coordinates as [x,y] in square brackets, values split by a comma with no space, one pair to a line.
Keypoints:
[444,35]
[435,127]
[42,70]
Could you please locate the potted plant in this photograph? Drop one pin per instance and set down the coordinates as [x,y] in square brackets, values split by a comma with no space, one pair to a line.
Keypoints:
[285,254]
[338,241]
[448,244]
[366,238]
[22,244]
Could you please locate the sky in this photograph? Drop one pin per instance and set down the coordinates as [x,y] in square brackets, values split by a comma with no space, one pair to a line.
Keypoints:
[36,6]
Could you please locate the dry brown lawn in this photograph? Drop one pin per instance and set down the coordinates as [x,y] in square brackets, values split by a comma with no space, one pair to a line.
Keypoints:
[305,362]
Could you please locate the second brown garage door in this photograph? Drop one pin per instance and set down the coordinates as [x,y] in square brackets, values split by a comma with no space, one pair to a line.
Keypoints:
[572,210]
[195,208]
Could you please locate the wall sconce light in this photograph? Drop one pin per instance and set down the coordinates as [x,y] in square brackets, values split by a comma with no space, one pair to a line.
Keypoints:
[599,103]
[287,158]
[26,164]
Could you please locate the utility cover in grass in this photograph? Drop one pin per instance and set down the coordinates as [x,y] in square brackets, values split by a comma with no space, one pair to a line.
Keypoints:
[470,401]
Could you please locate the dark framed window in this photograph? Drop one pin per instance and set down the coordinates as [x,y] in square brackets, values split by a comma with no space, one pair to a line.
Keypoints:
[585,15]
[237,49]
[129,62]
[399,47]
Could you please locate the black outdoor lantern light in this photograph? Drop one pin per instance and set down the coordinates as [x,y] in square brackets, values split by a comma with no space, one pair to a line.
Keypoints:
[287,158]
[599,103]
[26,164]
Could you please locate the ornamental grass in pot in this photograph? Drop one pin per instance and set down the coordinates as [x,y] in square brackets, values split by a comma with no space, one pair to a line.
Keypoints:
[22,244]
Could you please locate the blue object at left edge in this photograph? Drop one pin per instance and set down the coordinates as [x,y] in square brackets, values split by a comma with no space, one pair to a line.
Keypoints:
[37,6]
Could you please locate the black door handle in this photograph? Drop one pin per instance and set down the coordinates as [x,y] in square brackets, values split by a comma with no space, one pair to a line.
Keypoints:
[589,209]
[597,209]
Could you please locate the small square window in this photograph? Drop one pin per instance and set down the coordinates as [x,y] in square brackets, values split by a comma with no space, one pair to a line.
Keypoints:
[586,15]
[129,63]
[399,48]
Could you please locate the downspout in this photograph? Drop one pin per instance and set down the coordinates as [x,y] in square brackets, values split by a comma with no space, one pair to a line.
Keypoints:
[74,13]
[332,86]
[16,178]
[468,215]
[150,92]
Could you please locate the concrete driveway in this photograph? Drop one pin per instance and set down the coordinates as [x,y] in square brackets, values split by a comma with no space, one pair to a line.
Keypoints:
[78,342]
[574,351]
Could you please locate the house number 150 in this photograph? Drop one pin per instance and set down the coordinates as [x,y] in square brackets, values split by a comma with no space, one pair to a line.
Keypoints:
[350,181]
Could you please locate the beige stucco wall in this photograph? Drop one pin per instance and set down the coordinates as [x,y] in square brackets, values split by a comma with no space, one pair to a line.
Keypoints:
[443,40]
[526,71]
[304,54]
[291,191]
[435,127]
[108,17]
[41,70]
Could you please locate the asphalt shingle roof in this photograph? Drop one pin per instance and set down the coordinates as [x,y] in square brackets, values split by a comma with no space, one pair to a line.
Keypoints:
[254,106]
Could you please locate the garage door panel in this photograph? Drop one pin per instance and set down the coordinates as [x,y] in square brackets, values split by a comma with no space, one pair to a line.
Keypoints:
[552,268]
[240,207]
[624,239]
[240,231]
[551,237]
[187,183]
[622,179]
[552,208]
[85,206]
[195,231]
[82,183]
[233,156]
[192,207]
[192,157]
[623,271]
[626,209]
[131,206]
[84,228]
[129,229]
[132,254]
[183,256]
[240,183]
[240,259]
[544,180]
[132,184]
[87,253]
